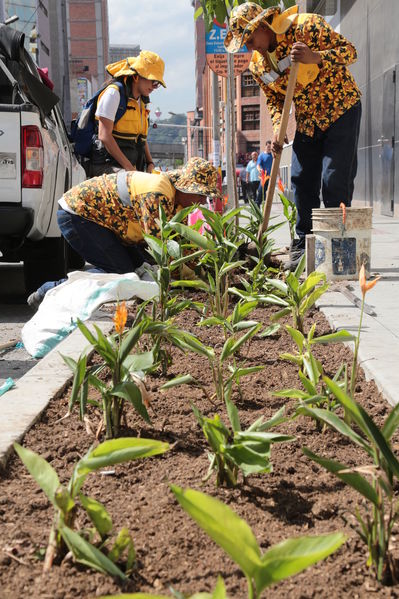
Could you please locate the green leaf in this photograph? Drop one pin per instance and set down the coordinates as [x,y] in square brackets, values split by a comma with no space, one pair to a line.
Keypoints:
[296,336]
[366,424]
[227,267]
[185,379]
[277,284]
[294,555]
[129,391]
[137,362]
[338,337]
[312,280]
[294,393]
[131,339]
[194,237]
[197,284]
[116,451]
[391,423]
[230,349]
[223,525]
[63,500]
[123,542]
[97,514]
[354,479]
[339,425]
[232,413]
[271,330]
[312,298]
[249,461]
[44,474]
[87,554]
[280,314]
[173,249]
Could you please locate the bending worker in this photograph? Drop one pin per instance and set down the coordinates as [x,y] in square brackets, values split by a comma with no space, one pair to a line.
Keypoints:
[123,144]
[326,98]
[105,218]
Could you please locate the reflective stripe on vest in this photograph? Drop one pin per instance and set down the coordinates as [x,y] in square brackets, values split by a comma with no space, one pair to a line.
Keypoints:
[122,188]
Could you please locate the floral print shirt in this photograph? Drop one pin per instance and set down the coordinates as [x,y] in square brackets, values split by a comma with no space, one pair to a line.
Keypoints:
[97,200]
[328,91]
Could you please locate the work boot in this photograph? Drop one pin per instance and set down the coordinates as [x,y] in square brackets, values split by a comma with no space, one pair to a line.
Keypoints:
[297,250]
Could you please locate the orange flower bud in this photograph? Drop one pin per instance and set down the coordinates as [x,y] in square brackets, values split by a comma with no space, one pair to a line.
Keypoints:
[120,317]
[281,186]
[364,285]
[263,177]
[343,208]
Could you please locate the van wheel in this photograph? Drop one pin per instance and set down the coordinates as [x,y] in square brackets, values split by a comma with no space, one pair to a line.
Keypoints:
[44,260]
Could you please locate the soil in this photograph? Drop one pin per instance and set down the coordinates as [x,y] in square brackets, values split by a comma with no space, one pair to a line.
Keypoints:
[297,498]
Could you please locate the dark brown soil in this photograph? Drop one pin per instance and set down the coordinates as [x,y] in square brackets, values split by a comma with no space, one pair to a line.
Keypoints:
[297,498]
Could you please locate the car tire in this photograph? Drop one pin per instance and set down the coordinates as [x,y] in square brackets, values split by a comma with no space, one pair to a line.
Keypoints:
[44,260]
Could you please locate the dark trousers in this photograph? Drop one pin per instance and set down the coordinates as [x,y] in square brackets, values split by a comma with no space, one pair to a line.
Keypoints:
[327,160]
[252,190]
[244,190]
[98,245]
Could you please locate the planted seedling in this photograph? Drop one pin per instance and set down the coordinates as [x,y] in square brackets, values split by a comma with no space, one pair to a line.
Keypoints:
[235,450]
[375,480]
[98,548]
[233,534]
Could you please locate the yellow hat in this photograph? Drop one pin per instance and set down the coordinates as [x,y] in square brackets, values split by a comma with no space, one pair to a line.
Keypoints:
[247,17]
[147,64]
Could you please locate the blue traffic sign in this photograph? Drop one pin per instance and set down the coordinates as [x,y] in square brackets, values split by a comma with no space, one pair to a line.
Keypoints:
[214,40]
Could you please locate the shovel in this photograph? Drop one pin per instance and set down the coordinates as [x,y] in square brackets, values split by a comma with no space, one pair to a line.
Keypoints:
[281,136]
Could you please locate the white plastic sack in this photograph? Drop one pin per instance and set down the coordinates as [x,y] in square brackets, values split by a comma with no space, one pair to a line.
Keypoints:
[78,297]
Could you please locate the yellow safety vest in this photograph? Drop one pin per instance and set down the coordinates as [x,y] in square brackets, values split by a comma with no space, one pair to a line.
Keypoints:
[133,123]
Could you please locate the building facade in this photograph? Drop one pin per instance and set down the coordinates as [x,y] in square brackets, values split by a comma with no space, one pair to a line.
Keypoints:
[88,39]
[370,25]
[117,53]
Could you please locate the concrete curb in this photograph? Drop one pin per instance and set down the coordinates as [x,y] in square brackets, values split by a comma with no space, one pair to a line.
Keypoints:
[22,406]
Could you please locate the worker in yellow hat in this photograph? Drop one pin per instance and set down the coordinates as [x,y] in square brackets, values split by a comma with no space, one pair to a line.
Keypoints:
[105,218]
[122,143]
[326,99]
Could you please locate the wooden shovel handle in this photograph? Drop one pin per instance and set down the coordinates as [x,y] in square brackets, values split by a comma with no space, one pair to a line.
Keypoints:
[281,136]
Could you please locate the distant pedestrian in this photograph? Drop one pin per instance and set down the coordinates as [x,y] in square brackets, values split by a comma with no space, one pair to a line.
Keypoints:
[252,176]
[242,175]
[264,163]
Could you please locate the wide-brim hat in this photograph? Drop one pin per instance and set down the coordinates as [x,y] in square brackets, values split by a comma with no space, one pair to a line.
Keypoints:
[196,176]
[247,17]
[147,64]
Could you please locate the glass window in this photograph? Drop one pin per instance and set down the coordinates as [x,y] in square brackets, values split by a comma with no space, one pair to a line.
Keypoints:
[250,116]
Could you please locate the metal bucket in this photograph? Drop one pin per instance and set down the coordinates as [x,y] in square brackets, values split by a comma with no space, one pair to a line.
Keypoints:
[341,248]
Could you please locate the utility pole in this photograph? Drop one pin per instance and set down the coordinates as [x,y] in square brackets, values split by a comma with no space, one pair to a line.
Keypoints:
[215,120]
[230,135]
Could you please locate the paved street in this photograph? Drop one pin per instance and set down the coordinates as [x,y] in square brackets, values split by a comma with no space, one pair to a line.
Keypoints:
[14,312]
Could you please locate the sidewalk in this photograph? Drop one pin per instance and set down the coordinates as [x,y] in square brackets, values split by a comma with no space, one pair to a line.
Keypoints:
[379,342]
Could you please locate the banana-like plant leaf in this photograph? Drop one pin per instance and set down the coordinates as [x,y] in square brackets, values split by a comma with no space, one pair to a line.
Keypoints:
[366,424]
[129,391]
[294,555]
[354,479]
[311,281]
[87,554]
[391,423]
[97,514]
[297,336]
[185,379]
[194,237]
[116,451]
[44,474]
[338,337]
[223,525]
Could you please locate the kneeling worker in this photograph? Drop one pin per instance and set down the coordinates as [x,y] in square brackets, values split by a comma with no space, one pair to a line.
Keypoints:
[105,218]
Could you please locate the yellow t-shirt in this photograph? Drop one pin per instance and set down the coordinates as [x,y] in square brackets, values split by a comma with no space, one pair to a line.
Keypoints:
[98,200]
